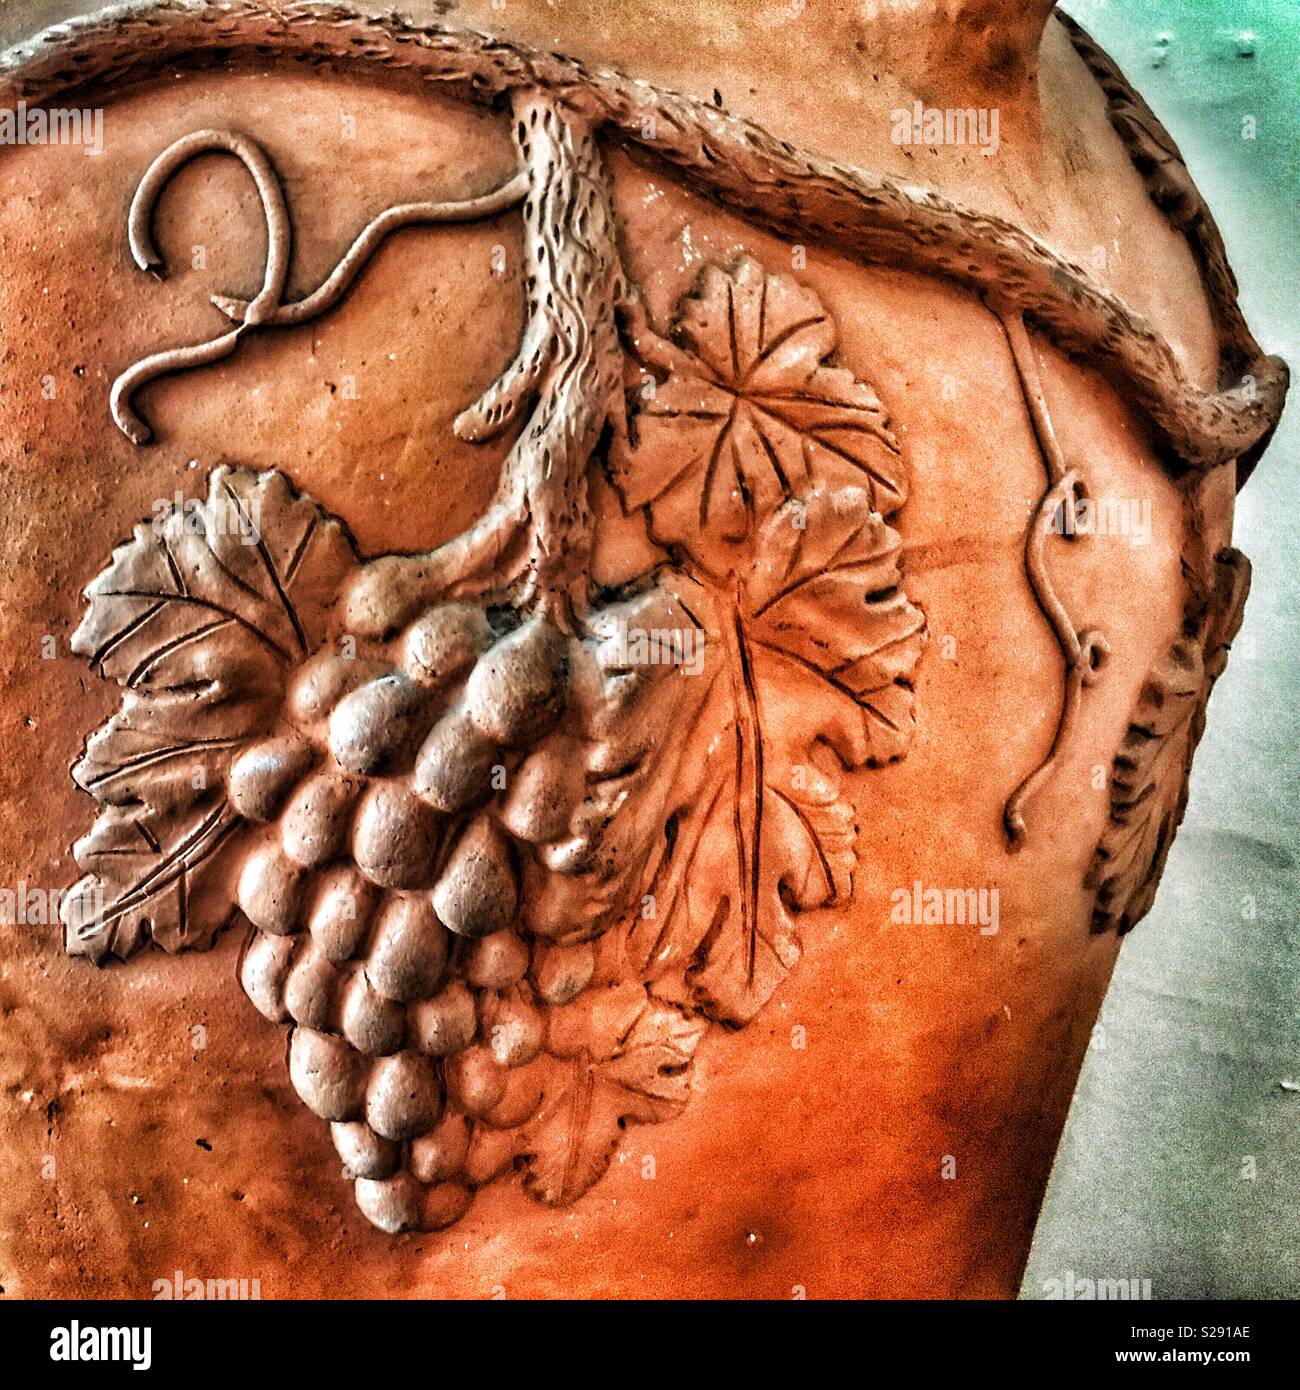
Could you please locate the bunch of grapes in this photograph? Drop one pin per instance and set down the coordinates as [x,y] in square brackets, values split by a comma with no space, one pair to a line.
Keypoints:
[383,886]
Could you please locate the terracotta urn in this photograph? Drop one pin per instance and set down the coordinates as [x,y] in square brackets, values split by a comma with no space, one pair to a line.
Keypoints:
[605,609]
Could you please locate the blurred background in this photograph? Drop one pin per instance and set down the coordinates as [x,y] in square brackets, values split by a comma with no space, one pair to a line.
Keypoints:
[1181,1159]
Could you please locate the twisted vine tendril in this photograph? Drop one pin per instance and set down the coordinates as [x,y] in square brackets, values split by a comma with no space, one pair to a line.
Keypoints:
[1085,650]
[268,308]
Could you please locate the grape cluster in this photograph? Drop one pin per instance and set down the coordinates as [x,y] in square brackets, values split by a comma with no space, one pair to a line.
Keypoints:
[384,896]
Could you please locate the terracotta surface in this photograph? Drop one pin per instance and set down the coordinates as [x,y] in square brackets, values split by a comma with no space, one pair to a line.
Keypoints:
[884,1124]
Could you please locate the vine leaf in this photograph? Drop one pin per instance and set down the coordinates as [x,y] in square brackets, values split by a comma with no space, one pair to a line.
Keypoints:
[1149,779]
[750,415]
[636,1067]
[139,888]
[199,617]
[208,588]
[817,646]
[831,628]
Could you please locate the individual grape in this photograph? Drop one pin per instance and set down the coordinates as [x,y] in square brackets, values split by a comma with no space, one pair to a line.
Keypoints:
[516,692]
[372,1024]
[328,1075]
[495,962]
[400,1203]
[311,989]
[262,775]
[270,889]
[395,837]
[446,1023]
[454,766]
[263,971]
[513,1028]
[561,973]
[404,1096]
[444,642]
[552,903]
[376,723]
[476,1081]
[444,1204]
[491,1152]
[408,953]
[440,1154]
[476,893]
[544,790]
[315,822]
[523,1093]
[340,916]
[393,1204]
[365,1154]
[323,681]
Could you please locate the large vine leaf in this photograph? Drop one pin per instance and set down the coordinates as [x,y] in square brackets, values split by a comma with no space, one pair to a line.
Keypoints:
[819,647]
[199,616]
[1149,778]
[751,414]
[634,1065]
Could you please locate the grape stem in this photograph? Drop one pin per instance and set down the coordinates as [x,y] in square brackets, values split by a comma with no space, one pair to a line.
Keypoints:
[536,535]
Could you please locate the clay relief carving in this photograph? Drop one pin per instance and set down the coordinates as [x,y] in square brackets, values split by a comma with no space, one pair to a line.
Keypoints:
[1149,780]
[498,907]
[1083,651]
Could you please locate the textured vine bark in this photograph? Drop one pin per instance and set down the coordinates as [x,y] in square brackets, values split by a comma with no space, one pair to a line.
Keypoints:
[569,367]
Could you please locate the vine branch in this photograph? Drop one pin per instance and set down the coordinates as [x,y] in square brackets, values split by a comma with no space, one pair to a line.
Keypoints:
[568,367]
[537,531]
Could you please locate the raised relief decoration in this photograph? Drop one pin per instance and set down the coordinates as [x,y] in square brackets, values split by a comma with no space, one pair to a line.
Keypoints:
[497,907]
[1149,780]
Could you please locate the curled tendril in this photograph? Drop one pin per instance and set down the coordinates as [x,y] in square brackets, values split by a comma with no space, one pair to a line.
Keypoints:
[1084,651]
[139,223]
[267,309]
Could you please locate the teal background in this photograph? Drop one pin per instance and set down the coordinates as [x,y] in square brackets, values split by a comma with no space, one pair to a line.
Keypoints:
[1183,1089]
